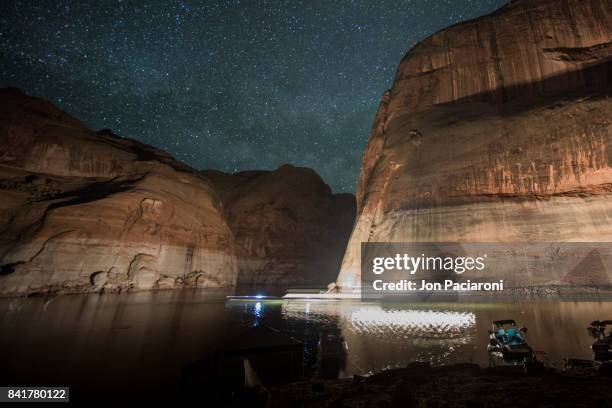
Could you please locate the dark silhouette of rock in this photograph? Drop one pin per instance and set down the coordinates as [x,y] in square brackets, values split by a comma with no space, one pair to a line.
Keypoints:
[288,225]
[459,385]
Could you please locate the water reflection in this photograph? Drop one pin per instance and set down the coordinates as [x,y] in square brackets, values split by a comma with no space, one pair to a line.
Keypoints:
[408,323]
[331,353]
[117,342]
[143,340]
[379,336]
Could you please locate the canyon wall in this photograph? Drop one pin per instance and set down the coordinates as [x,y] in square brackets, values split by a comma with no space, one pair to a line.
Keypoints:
[83,211]
[495,130]
[90,211]
[287,224]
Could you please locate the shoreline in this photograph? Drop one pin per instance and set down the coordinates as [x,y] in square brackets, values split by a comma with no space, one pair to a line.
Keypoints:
[456,385]
[531,293]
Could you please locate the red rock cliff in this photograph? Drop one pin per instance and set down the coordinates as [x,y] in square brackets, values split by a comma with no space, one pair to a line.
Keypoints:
[90,211]
[496,129]
[86,211]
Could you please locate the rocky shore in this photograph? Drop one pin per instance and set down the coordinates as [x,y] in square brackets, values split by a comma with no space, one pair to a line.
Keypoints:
[460,385]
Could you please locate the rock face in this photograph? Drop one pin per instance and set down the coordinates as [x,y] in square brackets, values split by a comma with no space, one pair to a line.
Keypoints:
[288,226]
[90,211]
[84,211]
[495,130]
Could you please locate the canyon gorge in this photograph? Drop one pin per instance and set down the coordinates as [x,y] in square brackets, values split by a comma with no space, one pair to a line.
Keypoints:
[495,130]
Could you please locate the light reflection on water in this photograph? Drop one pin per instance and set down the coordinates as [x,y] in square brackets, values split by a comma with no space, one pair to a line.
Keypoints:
[388,335]
[405,334]
[418,322]
[144,339]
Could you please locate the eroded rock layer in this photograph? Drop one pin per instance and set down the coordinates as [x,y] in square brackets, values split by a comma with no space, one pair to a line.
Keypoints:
[495,130]
[90,211]
[82,210]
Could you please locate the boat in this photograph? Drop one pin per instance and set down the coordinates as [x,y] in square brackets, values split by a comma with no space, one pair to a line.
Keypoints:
[602,347]
[507,341]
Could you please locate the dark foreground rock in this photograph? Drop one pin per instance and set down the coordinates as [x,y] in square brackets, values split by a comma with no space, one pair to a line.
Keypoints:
[461,385]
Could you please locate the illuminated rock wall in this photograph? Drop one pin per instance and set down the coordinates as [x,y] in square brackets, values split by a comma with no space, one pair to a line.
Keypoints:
[495,130]
[84,211]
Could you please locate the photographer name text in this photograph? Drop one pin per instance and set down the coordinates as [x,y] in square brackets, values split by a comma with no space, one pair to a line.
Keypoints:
[426,286]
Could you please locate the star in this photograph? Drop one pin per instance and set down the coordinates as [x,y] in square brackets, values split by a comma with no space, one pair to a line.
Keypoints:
[229,85]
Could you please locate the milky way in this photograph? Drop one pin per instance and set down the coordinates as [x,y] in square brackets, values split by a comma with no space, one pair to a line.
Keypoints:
[230,85]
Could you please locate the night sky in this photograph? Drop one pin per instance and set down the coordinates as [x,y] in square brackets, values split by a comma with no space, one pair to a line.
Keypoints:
[229,85]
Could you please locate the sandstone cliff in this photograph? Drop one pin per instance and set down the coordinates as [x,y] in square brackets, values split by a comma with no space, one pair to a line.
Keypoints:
[287,224]
[495,130]
[84,210]
[89,211]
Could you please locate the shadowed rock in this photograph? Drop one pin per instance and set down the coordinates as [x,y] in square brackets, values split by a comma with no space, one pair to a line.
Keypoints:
[288,226]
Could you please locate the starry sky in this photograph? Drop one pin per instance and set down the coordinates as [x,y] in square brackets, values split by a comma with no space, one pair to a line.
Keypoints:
[230,85]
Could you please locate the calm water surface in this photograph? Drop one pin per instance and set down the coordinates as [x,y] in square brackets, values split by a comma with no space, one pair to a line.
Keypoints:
[141,341]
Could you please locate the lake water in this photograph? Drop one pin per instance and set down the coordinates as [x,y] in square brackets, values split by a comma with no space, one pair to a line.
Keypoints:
[139,342]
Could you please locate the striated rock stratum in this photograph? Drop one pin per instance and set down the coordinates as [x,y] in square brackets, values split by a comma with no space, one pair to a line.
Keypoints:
[88,211]
[495,130]
[83,210]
